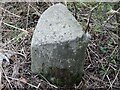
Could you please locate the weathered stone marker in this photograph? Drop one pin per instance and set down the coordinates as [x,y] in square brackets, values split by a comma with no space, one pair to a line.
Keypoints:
[57,49]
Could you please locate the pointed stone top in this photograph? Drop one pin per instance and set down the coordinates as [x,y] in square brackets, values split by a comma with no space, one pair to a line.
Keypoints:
[56,25]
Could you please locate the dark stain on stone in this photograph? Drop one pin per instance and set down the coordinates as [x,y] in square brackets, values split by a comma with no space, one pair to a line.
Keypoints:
[50,25]
[64,26]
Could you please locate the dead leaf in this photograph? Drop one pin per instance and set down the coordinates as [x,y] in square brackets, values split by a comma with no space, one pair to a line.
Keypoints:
[23,80]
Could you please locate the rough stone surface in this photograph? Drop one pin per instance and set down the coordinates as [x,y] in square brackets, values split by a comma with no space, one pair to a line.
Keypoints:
[57,50]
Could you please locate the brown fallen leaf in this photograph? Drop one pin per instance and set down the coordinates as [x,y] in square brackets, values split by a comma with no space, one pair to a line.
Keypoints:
[22,79]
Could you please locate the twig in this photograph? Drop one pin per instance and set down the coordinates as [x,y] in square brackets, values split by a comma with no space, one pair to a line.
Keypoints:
[88,67]
[80,84]
[9,12]
[34,85]
[15,27]
[89,18]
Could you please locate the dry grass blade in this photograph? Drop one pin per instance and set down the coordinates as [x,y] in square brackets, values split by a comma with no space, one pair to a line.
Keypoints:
[117,36]
[10,53]
[105,22]
[15,27]
[35,9]
[101,66]
[1,59]
[28,11]
[93,52]
[48,82]
[105,73]
[25,82]
[1,18]
[13,40]
[116,77]
[110,86]
[113,51]
[6,77]
[10,12]
[1,85]
[16,69]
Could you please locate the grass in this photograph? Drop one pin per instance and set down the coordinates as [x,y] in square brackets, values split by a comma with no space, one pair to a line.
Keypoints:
[102,66]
